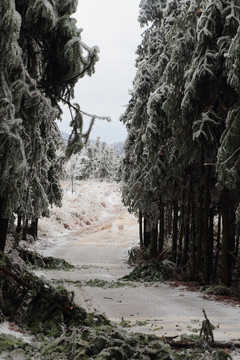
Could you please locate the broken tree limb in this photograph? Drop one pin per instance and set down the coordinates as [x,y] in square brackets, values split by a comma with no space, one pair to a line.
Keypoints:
[26,284]
[192,344]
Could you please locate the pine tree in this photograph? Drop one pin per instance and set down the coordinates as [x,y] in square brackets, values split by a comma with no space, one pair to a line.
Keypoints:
[43,56]
[181,164]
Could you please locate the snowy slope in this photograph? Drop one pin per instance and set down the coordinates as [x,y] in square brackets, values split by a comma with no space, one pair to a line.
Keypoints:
[91,203]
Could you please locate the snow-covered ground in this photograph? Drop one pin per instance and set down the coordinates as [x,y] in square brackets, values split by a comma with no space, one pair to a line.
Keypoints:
[94,231]
[89,204]
[98,242]
[10,328]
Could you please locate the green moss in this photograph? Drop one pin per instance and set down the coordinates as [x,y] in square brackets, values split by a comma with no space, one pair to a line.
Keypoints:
[9,343]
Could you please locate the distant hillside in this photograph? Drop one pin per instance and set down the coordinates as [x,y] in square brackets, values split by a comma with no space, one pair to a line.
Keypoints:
[65,137]
[116,146]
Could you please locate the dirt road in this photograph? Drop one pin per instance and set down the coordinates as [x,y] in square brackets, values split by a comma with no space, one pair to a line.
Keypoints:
[101,253]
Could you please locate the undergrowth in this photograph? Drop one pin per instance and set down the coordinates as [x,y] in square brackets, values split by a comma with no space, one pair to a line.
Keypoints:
[151,271]
[45,262]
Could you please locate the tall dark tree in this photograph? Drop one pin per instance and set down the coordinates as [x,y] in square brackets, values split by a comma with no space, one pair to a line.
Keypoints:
[181,167]
[42,58]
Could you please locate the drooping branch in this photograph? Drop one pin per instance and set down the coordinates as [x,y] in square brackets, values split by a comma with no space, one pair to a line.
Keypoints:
[72,106]
[225,161]
[67,81]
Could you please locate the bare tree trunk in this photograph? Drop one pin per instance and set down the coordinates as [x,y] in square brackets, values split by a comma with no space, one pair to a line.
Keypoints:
[199,235]
[34,228]
[237,238]
[199,223]
[147,235]
[174,231]
[161,230]
[228,237]
[19,224]
[207,246]
[193,240]
[25,230]
[154,241]
[181,221]
[169,219]
[3,226]
[140,229]
[218,247]
[186,235]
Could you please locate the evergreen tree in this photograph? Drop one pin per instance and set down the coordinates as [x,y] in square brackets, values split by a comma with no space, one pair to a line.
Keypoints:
[181,164]
[43,56]
[96,161]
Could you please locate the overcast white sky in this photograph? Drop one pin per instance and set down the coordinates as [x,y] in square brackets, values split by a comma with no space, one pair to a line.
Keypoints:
[112,26]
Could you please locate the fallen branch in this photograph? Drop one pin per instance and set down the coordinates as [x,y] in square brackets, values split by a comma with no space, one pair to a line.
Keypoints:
[21,281]
[181,344]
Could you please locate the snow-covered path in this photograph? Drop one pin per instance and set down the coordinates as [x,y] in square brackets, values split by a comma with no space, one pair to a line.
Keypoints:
[101,252]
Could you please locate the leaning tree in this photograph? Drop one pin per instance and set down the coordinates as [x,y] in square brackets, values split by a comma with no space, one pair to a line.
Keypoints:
[42,58]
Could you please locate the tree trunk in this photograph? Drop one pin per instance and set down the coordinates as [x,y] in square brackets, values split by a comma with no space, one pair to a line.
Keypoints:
[182,214]
[186,236]
[228,234]
[174,231]
[207,246]
[147,235]
[19,224]
[34,228]
[211,239]
[154,240]
[3,227]
[25,230]
[193,241]
[199,235]
[237,238]
[217,247]
[169,219]
[161,230]
[199,224]
[140,229]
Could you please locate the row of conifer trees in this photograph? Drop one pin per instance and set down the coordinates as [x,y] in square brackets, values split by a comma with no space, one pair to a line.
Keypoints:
[182,155]
[42,57]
